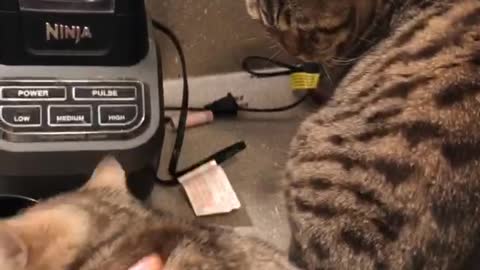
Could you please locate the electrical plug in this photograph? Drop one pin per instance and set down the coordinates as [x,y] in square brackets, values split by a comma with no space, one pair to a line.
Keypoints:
[225,106]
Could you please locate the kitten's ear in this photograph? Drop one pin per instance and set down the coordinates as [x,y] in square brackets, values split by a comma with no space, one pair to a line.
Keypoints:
[13,251]
[152,262]
[252,9]
[109,173]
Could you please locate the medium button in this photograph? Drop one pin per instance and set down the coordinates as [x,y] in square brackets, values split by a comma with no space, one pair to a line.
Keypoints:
[21,93]
[72,116]
[22,116]
[105,93]
[117,115]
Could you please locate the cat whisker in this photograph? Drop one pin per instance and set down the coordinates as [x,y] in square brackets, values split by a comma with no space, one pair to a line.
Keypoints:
[339,62]
[327,73]
[344,60]
[275,54]
[273,46]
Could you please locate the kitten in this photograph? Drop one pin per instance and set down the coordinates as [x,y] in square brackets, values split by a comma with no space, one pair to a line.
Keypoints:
[101,226]
[387,174]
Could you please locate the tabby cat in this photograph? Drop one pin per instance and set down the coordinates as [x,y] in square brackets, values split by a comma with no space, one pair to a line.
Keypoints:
[387,174]
[101,227]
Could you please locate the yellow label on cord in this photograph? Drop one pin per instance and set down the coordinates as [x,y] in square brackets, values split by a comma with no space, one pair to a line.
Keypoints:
[304,80]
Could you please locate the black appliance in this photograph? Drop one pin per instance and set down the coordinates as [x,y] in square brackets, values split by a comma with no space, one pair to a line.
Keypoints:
[79,79]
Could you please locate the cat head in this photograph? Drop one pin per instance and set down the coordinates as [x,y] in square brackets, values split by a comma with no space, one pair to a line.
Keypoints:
[52,234]
[321,30]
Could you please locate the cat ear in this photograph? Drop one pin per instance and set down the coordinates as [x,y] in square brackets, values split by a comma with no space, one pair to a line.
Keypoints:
[252,9]
[13,251]
[152,262]
[109,173]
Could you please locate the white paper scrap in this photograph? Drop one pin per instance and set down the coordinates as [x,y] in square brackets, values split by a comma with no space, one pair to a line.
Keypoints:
[209,190]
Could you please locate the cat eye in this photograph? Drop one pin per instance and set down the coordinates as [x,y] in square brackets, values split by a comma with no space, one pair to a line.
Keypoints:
[330,29]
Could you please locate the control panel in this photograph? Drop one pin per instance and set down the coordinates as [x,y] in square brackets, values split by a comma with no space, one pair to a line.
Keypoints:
[61,120]
[39,110]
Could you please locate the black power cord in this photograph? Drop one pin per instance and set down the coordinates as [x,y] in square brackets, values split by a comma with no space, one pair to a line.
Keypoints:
[220,156]
[288,69]
[172,168]
[225,106]
[278,109]
[228,105]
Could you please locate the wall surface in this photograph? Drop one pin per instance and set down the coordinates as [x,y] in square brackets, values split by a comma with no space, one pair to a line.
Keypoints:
[216,35]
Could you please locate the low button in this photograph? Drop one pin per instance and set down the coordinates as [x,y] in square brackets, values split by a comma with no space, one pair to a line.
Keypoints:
[71,116]
[22,93]
[105,93]
[22,116]
[117,115]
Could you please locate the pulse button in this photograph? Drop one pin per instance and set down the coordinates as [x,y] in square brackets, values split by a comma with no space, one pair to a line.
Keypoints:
[70,116]
[22,116]
[105,93]
[26,93]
